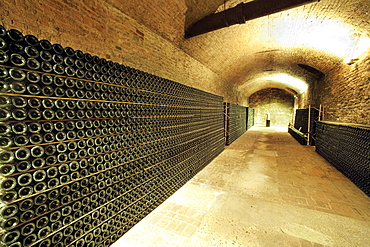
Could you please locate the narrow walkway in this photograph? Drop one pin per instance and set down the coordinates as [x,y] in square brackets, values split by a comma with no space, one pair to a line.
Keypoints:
[264,190]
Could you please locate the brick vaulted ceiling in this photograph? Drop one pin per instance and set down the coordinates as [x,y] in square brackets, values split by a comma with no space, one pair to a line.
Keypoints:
[321,35]
[248,56]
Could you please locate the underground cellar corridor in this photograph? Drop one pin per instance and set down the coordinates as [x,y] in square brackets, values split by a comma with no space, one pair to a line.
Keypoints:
[226,122]
[265,189]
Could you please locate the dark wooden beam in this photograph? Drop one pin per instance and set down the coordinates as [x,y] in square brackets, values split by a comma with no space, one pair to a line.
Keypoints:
[242,13]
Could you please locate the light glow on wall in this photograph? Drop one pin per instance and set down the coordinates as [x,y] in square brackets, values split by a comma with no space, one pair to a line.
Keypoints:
[288,80]
[329,36]
[334,37]
[359,49]
[273,80]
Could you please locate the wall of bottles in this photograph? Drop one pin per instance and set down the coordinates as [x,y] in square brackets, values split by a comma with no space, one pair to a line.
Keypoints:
[236,122]
[88,146]
[303,119]
[250,117]
[299,136]
[347,148]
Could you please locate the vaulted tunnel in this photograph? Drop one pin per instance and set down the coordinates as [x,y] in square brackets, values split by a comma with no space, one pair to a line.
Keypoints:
[109,107]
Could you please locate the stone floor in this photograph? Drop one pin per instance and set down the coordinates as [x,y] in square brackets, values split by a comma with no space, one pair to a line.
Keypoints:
[264,190]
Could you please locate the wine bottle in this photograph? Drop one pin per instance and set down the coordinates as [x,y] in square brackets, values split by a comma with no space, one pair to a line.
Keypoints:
[10,237]
[17,59]
[31,40]
[4,57]
[68,51]
[14,35]
[2,31]
[7,169]
[45,45]
[57,49]
[7,183]
[31,52]
[33,77]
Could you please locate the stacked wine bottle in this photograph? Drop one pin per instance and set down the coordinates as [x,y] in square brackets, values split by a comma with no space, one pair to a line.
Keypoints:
[304,124]
[236,122]
[88,146]
[346,146]
[305,116]
[250,118]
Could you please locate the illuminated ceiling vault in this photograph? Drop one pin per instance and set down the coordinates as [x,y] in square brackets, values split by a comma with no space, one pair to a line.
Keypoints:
[266,52]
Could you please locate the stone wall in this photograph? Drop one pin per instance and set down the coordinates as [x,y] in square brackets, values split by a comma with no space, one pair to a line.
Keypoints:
[344,93]
[277,102]
[149,37]
[104,28]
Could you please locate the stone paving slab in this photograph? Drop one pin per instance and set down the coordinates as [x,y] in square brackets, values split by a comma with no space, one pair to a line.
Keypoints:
[264,190]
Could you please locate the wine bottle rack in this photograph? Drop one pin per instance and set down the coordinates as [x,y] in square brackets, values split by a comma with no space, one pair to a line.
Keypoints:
[305,120]
[88,146]
[347,147]
[250,118]
[299,136]
[301,119]
[236,122]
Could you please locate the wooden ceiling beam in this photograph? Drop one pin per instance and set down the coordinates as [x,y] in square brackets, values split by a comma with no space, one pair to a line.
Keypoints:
[241,13]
